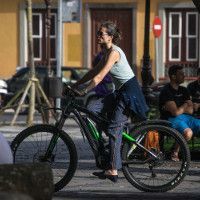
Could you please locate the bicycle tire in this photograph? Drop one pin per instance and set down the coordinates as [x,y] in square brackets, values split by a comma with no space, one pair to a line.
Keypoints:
[148,179]
[24,143]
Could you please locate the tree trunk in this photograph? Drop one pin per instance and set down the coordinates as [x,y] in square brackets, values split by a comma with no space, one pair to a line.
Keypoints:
[31,62]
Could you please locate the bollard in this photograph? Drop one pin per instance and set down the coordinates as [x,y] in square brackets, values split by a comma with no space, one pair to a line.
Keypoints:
[35,180]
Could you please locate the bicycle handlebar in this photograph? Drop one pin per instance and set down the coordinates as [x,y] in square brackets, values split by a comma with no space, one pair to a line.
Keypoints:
[71,92]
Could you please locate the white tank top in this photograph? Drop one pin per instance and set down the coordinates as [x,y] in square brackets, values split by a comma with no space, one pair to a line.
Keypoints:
[121,71]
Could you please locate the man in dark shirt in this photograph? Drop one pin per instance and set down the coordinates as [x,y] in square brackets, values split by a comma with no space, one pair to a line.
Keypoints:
[175,105]
[194,89]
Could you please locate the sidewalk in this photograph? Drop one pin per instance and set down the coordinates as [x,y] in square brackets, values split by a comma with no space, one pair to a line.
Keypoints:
[85,186]
[20,124]
[11,131]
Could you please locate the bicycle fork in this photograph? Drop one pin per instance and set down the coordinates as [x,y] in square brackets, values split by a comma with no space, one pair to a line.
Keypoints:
[48,157]
[49,153]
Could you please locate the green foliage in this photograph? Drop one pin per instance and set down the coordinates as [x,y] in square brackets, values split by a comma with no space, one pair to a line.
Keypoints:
[153,112]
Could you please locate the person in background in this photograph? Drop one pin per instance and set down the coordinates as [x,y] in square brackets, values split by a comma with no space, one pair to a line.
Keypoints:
[6,156]
[194,90]
[126,97]
[175,105]
[3,92]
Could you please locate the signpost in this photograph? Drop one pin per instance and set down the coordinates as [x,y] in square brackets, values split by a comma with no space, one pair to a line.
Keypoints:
[157,29]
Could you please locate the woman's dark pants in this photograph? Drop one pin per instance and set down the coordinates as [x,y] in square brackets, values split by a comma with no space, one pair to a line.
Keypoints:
[114,109]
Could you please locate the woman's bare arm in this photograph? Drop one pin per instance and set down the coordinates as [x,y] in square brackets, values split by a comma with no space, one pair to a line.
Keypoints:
[112,59]
[91,74]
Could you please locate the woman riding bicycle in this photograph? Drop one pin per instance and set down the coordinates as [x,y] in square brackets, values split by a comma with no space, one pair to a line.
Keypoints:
[126,97]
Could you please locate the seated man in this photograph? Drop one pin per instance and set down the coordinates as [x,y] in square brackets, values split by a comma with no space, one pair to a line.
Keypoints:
[194,90]
[175,105]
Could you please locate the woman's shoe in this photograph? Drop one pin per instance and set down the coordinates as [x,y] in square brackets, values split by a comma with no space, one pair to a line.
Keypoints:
[113,178]
[102,175]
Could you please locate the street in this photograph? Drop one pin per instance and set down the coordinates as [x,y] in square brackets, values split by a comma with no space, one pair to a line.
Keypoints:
[86,186]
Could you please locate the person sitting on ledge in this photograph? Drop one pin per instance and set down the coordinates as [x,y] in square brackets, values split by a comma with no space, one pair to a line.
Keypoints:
[176,106]
[194,90]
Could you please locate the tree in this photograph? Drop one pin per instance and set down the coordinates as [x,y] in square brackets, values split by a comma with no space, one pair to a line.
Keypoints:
[33,85]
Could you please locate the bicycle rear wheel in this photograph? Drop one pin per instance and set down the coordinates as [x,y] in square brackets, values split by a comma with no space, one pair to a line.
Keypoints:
[160,173]
[31,144]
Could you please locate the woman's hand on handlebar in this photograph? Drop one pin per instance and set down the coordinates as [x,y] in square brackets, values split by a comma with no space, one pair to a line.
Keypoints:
[80,92]
[73,90]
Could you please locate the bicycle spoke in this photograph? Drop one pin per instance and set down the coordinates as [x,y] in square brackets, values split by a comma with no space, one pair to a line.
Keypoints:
[161,173]
[35,146]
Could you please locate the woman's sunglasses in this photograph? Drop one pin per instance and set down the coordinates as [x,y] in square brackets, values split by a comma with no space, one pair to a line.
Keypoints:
[100,33]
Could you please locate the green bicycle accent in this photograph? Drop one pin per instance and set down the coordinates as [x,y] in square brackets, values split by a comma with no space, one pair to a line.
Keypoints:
[128,137]
[149,170]
[93,129]
[96,134]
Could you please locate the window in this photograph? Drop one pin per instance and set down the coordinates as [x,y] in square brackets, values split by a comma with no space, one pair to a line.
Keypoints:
[53,37]
[191,36]
[175,35]
[182,41]
[40,36]
[37,36]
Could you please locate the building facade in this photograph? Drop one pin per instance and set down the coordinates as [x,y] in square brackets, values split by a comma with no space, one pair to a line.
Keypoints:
[178,43]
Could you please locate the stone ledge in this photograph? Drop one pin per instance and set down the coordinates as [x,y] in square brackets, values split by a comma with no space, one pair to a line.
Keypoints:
[35,180]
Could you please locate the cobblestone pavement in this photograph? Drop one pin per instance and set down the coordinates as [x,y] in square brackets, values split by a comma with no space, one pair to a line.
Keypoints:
[85,186]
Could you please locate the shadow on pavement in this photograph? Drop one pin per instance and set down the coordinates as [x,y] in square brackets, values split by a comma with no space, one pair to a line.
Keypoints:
[105,194]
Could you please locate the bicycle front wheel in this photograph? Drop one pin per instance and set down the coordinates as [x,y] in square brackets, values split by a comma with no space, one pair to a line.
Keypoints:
[31,144]
[150,168]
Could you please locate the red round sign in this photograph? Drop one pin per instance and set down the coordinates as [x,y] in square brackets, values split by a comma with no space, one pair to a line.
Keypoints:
[157,27]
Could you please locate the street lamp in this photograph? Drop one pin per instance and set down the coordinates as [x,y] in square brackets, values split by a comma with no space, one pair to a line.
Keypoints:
[146,74]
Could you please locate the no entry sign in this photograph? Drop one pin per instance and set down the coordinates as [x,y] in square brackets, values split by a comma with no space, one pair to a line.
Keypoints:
[157,27]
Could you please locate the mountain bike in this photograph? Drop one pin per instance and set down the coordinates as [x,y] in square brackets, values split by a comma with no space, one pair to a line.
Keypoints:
[148,169]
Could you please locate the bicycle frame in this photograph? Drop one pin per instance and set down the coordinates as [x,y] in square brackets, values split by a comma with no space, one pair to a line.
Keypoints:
[89,130]
[150,170]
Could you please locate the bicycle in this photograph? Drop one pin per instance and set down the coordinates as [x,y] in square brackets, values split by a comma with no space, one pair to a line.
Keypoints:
[149,170]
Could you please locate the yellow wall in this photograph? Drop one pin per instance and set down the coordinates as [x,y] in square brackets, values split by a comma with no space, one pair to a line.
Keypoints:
[140,9]
[140,29]
[9,37]
[72,44]
[140,13]
[72,38]
[72,34]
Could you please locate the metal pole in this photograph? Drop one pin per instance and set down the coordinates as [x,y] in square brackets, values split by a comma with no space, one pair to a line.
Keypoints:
[147,78]
[48,29]
[59,45]
[199,35]
[157,67]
